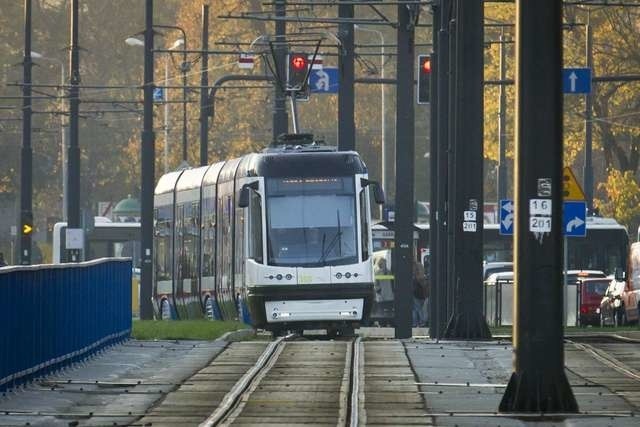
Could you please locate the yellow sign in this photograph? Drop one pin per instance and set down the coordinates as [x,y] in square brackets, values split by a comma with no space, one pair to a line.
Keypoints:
[570,188]
[26,229]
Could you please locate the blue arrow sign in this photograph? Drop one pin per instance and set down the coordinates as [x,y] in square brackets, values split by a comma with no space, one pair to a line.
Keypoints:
[576,80]
[158,94]
[507,209]
[324,80]
[574,219]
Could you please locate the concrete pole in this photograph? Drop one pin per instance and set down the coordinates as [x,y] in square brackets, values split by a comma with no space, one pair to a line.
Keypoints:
[588,126]
[26,154]
[280,117]
[346,93]
[538,383]
[73,173]
[204,82]
[502,123]
[147,173]
[404,252]
[467,320]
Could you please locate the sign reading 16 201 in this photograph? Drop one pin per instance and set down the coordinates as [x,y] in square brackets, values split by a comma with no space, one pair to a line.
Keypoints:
[540,215]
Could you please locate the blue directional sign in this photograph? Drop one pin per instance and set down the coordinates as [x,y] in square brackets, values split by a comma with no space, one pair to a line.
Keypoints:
[576,80]
[158,94]
[507,216]
[324,80]
[574,222]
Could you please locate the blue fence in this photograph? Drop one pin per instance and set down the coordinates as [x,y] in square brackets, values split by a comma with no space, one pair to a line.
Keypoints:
[53,315]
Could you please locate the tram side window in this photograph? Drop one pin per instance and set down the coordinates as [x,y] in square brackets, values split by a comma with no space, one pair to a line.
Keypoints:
[163,243]
[208,230]
[255,230]
[364,222]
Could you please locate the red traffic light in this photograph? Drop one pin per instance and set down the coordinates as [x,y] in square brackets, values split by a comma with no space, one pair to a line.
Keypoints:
[298,62]
[425,66]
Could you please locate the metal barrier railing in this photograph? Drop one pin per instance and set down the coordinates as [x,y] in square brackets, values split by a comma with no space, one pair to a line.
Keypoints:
[53,315]
[498,303]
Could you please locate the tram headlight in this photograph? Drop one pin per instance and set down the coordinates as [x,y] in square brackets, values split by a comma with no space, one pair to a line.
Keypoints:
[338,276]
[279,277]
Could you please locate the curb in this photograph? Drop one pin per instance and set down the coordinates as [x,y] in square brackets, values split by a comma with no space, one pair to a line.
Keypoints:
[239,335]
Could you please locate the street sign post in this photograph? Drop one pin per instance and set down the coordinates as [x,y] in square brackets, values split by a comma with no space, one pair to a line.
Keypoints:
[574,221]
[324,80]
[506,217]
[576,80]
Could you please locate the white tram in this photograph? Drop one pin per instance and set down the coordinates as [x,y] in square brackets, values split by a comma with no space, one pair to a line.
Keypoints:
[279,239]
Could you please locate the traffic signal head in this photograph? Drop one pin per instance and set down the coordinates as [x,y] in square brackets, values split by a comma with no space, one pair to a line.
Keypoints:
[298,68]
[424,79]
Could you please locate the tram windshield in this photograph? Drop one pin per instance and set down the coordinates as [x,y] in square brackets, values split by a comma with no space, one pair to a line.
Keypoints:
[311,221]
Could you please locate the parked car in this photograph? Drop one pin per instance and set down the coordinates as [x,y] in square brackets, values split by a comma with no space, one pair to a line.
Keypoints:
[592,290]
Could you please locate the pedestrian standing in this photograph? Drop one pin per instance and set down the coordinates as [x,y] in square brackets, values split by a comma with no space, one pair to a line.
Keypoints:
[419,294]
[3,263]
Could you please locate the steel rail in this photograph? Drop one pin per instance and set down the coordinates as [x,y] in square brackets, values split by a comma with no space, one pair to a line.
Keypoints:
[353,400]
[233,398]
[607,360]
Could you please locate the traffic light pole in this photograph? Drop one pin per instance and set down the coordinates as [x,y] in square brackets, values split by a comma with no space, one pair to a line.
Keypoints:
[538,383]
[26,155]
[404,253]
[73,175]
[147,158]
[346,102]
[467,320]
[280,119]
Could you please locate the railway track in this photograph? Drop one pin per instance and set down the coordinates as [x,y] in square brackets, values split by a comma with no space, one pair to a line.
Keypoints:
[296,382]
[609,361]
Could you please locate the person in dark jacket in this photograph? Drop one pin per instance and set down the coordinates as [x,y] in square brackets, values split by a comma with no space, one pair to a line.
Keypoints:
[419,295]
[3,263]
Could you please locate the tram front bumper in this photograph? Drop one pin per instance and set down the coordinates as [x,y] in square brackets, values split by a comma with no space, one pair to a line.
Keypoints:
[309,304]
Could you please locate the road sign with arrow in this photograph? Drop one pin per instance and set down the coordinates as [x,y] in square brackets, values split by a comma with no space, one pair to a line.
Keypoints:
[506,216]
[576,80]
[574,220]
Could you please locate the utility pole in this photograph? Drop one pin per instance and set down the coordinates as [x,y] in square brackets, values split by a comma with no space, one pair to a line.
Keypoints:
[538,383]
[73,157]
[280,118]
[346,103]
[502,123]
[404,253]
[26,156]
[467,320]
[452,101]
[439,308]
[434,214]
[588,124]
[204,82]
[147,157]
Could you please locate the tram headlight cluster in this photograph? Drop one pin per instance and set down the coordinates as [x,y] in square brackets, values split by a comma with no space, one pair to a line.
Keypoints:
[346,275]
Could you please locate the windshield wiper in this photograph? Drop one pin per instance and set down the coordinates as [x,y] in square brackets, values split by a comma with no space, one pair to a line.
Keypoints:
[336,239]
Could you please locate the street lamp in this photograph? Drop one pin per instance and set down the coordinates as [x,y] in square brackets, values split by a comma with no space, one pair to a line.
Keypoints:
[184,68]
[63,132]
[385,181]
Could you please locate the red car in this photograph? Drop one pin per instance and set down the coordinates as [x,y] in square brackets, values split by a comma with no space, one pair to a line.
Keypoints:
[591,292]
